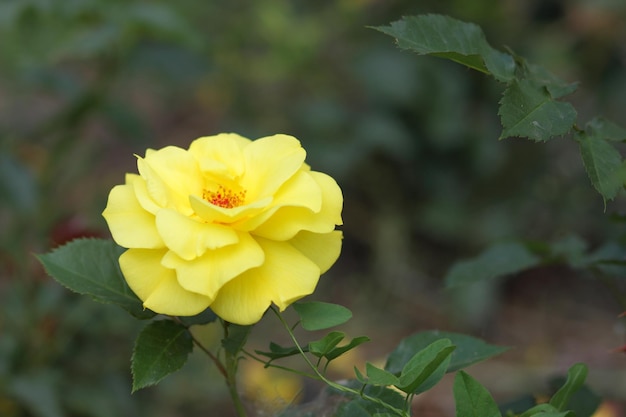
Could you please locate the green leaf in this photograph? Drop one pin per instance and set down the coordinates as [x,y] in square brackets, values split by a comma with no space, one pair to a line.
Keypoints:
[472,399]
[603,164]
[315,315]
[338,351]
[540,76]
[277,352]
[575,379]
[452,39]
[606,129]
[161,348]
[498,260]
[236,338]
[469,350]
[90,266]
[425,363]
[376,376]
[528,110]
[321,347]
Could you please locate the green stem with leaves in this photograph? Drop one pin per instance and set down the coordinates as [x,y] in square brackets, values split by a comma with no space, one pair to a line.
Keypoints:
[339,387]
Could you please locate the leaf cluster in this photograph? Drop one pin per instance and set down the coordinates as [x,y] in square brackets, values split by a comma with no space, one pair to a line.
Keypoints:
[503,259]
[532,103]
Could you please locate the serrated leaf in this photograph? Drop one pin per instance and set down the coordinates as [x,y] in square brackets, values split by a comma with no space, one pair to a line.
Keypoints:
[472,399]
[469,350]
[91,267]
[601,127]
[540,76]
[425,363]
[528,110]
[452,39]
[161,348]
[499,260]
[576,376]
[603,164]
[316,315]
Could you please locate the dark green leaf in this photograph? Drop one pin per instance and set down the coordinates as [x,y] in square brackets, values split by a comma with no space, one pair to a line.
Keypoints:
[575,379]
[161,348]
[452,39]
[472,399]
[497,261]
[90,266]
[603,164]
[315,315]
[469,350]
[425,363]
[542,77]
[236,338]
[528,110]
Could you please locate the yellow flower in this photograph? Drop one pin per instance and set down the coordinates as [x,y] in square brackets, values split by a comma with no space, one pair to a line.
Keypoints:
[230,223]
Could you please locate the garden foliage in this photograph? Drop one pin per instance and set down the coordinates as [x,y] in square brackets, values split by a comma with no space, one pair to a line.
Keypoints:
[533,106]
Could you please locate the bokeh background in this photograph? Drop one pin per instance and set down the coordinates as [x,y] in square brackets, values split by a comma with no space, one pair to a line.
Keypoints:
[85,84]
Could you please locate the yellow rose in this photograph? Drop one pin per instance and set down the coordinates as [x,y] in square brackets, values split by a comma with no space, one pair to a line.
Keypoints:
[230,223]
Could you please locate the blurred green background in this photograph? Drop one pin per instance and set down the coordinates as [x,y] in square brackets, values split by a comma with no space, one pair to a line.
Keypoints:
[85,84]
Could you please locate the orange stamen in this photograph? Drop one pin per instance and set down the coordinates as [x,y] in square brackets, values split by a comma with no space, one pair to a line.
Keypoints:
[224,197]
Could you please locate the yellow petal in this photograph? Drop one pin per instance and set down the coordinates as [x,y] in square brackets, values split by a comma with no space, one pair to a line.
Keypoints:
[301,191]
[141,192]
[220,156]
[287,221]
[157,286]
[131,226]
[189,238]
[208,273]
[212,213]
[323,249]
[285,276]
[332,197]
[171,175]
[269,163]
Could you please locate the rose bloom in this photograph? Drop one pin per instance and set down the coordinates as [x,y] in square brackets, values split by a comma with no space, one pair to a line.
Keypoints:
[231,224]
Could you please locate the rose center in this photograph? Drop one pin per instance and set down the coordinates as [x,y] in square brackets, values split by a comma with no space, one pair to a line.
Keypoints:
[224,197]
